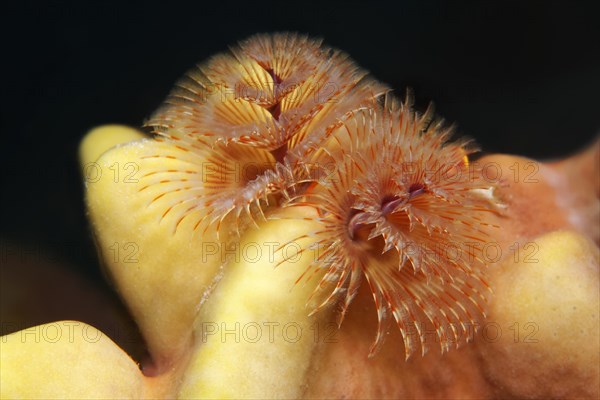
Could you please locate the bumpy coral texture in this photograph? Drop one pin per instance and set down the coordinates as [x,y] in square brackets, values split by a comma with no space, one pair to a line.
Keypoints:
[281,120]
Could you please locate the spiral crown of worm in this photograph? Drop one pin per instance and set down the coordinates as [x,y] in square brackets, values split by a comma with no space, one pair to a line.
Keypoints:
[397,201]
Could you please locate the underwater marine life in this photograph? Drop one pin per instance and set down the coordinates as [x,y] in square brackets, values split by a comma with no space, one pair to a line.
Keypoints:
[302,233]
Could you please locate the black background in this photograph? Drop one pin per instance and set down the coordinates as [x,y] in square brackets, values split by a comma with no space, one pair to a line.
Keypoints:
[519,77]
